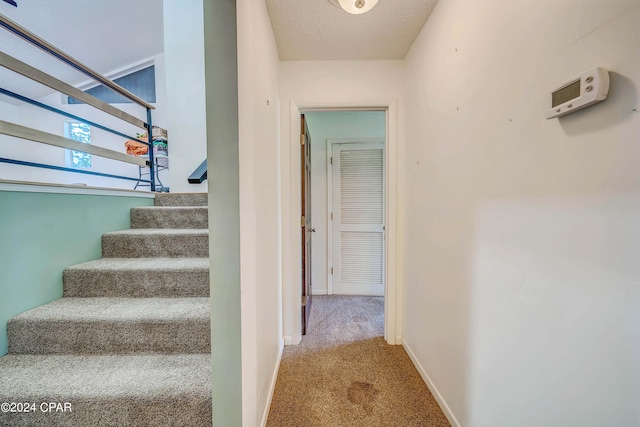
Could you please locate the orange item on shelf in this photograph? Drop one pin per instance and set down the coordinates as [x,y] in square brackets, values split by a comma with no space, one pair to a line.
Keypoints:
[136,148]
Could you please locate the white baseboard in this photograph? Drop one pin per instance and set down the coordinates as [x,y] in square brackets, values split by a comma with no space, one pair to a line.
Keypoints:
[434,391]
[288,340]
[274,378]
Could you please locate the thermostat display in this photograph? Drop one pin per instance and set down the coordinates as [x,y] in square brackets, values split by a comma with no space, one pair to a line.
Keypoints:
[567,94]
[580,92]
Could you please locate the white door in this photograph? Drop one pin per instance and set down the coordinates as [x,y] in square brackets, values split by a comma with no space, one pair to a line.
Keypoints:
[357,226]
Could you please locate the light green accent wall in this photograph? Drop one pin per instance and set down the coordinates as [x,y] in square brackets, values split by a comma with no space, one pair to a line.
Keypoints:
[43,233]
[344,124]
[221,80]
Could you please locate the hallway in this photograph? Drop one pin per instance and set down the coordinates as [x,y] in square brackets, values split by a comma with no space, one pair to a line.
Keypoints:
[344,374]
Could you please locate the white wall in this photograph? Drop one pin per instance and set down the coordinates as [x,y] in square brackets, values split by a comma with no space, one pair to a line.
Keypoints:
[38,118]
[260,232]
[329,84]
[322,127]
[180,109]
[522,303]
[185,80]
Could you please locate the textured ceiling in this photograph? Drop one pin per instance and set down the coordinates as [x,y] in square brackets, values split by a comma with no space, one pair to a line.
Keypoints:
[104,35]
[318,30]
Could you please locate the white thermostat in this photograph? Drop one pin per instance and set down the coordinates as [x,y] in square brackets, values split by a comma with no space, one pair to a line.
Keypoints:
[582,91]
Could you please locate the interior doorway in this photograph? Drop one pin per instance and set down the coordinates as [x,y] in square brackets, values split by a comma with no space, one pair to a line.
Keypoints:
[348,202]
[388,129]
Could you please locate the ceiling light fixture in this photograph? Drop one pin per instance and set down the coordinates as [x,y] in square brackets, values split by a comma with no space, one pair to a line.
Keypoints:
[355,7]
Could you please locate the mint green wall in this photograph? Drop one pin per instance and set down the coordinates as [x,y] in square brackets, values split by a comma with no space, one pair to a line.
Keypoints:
[41,234]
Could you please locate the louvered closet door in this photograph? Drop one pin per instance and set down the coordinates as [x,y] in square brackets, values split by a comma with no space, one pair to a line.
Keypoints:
[358,219]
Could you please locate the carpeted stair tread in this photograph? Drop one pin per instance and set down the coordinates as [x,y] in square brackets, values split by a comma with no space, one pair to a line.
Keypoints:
[138,278]
[181,199]
[120,309]
[113,325]
[170,217]
[123,390]
[156,242]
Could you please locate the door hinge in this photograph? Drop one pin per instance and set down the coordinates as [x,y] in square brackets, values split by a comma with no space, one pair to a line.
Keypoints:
[304,300]
[302,139]
[331,216]
[332,271]
[331,160]
[302,221]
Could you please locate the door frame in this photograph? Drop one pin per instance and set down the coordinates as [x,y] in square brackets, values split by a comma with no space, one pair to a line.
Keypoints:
[291,249]
[330,144]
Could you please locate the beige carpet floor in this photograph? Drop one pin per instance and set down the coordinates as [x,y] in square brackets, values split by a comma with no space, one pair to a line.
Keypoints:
[345,374]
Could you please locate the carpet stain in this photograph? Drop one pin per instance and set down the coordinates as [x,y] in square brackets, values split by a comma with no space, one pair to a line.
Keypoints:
[361,393]
[387,390]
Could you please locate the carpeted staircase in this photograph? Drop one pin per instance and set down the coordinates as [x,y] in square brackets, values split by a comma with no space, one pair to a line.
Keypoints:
[129,342]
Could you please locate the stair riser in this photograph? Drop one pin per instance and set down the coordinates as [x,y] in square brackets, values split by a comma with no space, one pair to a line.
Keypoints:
[136,284]
[144,246]
[175,218]
[178,199]
[109,338]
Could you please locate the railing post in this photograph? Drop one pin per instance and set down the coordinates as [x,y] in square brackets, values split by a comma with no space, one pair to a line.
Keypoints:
[152,165]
